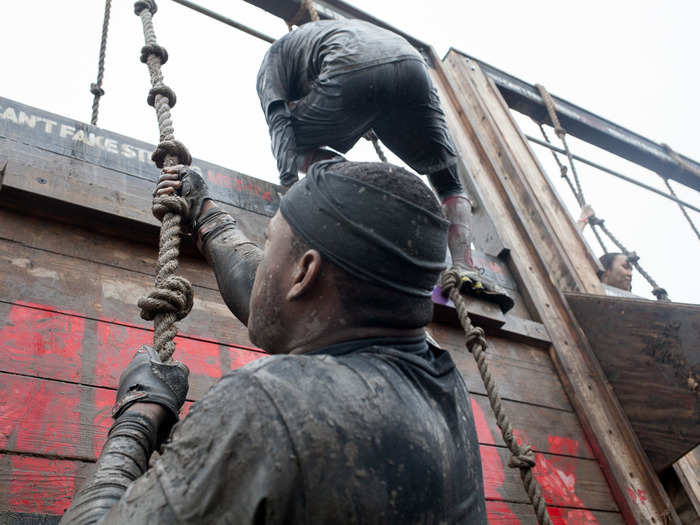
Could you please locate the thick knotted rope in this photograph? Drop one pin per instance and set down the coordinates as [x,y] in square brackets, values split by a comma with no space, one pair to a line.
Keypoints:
[522,457]
[96,87]
[561,133]
[171,300]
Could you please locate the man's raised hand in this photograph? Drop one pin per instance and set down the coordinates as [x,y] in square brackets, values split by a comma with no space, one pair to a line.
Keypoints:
[185,182]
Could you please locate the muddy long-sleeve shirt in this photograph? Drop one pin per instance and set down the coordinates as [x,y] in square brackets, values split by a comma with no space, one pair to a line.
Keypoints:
[318,52]
[370,431]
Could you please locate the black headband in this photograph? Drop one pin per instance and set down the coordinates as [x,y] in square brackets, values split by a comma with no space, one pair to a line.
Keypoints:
[370,233]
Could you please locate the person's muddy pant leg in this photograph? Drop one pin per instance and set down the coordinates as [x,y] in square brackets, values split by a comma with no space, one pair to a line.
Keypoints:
[413,126]
[323,118]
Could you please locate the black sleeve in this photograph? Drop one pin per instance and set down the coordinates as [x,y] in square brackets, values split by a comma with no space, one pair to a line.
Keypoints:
[274,85]
[229,461]
[124,458]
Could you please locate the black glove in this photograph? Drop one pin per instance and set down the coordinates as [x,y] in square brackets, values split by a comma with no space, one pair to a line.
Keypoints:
[194,189]
[147,380]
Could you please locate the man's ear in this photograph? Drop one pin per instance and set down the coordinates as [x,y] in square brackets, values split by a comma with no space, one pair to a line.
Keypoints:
[306,272]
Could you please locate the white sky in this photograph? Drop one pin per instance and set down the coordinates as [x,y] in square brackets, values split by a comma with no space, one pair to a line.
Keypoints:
[632,62]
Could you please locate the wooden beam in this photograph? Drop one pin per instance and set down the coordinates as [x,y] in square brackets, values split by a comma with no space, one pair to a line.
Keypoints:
[544,259]
[688,471]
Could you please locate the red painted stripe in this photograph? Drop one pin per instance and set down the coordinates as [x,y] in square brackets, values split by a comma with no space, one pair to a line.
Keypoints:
[40,342]
[41,486]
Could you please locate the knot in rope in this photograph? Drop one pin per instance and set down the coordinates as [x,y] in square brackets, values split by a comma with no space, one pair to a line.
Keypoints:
[154,49]
[475,336]
[449,279]
[96,90]
[174,148]
[523,459]
[169,204]
[172,296]
[451,283]
[140,5]
[164,91]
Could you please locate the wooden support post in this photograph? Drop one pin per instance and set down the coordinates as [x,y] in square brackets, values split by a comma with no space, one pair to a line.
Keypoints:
[547,255]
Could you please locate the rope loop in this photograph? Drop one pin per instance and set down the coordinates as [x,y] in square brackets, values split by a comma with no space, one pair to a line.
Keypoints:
[174,148]
[154,49]
[173,296]
[140,5]
[475,336]
[523,459]
[164,91]
[595,221]
[96,90]
[169,204]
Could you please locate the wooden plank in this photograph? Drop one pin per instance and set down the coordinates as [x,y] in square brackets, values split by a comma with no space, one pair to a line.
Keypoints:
[688,471]
[82,244]
[507,513]
[37,485]
[537,266]
[29,132]
[42,486]
[48,344]
[104,190]
[42,417]
[565,481]
[51,417]
[649,352]
[59,282]
[544,429]
[522,372]
[531,191]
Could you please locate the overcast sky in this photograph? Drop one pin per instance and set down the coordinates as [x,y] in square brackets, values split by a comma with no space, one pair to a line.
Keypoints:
[632,62]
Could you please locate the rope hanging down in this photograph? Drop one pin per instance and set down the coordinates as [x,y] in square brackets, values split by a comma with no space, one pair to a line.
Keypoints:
[522,457]
[171,300]
[96,87]
[594,221]
[686,165]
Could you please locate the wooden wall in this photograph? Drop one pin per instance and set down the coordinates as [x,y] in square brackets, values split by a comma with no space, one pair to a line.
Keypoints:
[68,325]
[77,248]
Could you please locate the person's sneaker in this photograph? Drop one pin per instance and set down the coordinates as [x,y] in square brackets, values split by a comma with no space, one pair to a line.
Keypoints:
[474,283]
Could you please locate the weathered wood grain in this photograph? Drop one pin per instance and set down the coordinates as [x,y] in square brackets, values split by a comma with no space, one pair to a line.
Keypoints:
[649,352]
[36,485]
[66,347]
[104,292]
[522,372]
[544,429]
[45,487]
[539,266]
[51,136]
[50,417]
[507,513]
[85,245]
[688,471]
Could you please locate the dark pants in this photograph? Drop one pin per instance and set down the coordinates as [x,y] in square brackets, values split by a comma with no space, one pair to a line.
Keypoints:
[399,102]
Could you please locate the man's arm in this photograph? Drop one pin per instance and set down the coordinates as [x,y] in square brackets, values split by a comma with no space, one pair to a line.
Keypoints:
[233,257]
[230,460]
[148,401]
